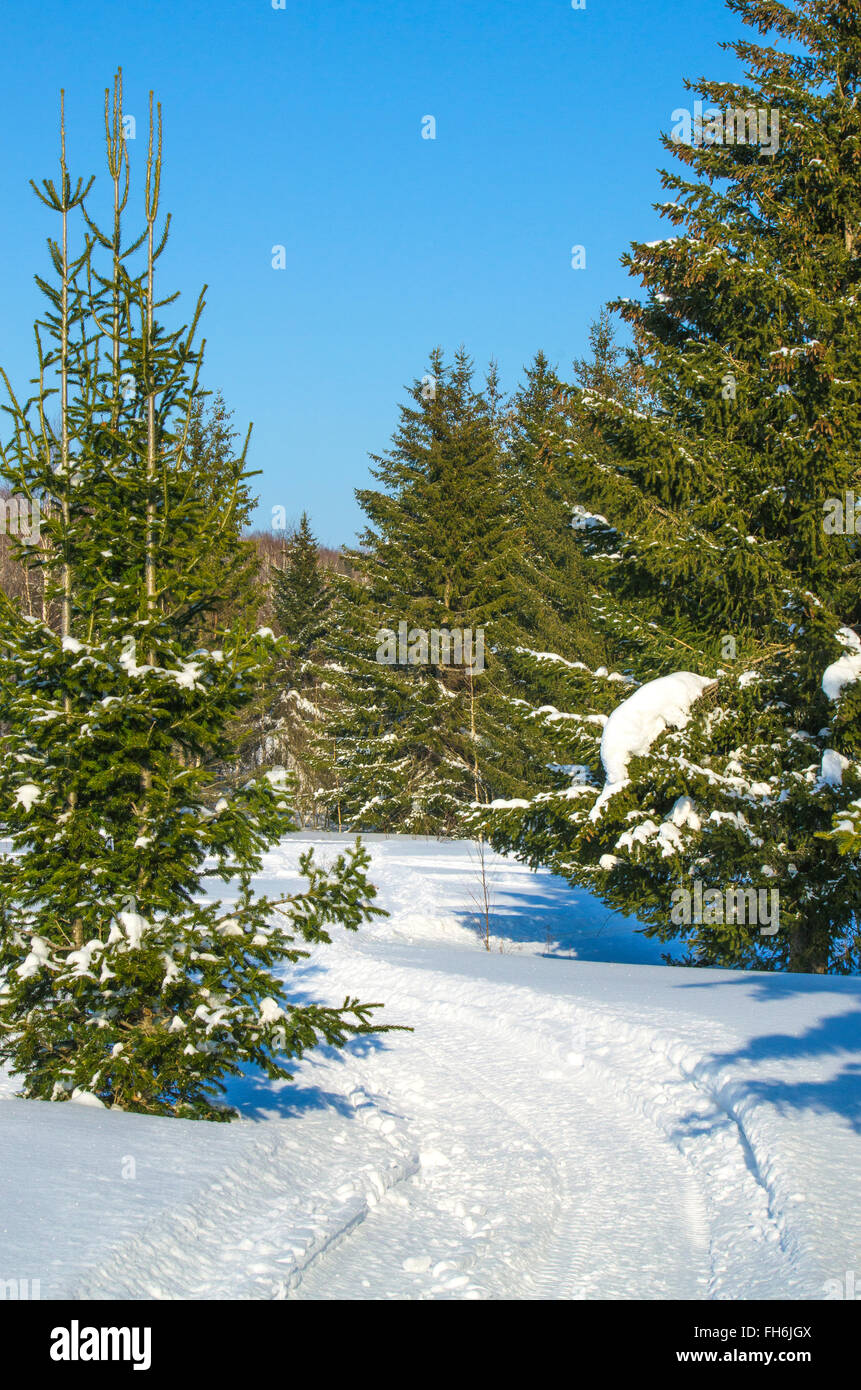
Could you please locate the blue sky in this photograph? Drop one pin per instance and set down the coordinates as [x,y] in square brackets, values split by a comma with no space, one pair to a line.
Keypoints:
[302,127]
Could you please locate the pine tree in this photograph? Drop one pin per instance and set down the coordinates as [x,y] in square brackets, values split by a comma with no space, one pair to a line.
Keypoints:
[230,572]
[557,630]
[117,980]
[553,593]
[300,594]
[223,482]
[703,516]
[556,611]
[415,736]
[301,597]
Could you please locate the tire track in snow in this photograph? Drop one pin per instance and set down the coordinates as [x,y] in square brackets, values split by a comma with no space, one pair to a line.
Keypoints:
[721,1200]
[467,1225]
[579,1197]
[271,1214]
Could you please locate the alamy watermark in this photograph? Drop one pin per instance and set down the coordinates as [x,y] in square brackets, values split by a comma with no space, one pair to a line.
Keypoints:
[21,516]
[436,646]
[842,515]
[735,126]
[77,1343]
[711,907]
[16,1289]
[843,1288]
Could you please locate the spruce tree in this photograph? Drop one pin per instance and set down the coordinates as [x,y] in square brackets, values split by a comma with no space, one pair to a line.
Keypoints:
[300,594]
[118,981]
[211,454]
[301,599]
[416,737]
[556,614]
[704,517]
[553,592]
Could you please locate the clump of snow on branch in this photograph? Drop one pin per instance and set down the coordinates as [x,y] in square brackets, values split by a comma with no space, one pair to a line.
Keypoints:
[847,669]
[634,725]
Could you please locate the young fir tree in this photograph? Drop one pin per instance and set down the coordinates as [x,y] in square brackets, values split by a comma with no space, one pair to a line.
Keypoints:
[232,565]
[553,602]
[230,572]
[118,982]
[705,519]
[419,731]
[300,594]
[563,631]
[301,598]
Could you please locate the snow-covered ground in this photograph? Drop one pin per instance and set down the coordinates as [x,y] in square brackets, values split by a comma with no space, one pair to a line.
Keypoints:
[569,1119]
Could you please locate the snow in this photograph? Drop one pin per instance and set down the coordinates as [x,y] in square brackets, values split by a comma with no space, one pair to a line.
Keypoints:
[28,795]
[637,722]
[188,675]
[79,1097]
[583,520]
[832,768]
[134,926]
[568,1119]
[847,669]
[553,657]
[128,658]
[270,1010]
[37,957]
[682,815]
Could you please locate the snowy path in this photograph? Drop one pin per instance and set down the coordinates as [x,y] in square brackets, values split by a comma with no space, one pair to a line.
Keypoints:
[544,1171]
[568,1194]
[554,1127]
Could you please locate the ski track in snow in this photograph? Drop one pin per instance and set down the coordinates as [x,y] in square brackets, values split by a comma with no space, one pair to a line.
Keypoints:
[628,1179]
[530,1139]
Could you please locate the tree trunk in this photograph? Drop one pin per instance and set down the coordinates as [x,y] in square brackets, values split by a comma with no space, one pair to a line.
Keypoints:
[808,953]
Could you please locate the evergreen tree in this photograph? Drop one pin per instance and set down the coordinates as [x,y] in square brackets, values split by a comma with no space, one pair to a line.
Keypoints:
[609,372]
[557,623]
[553,607]
[704,520]
[418,732]
[230,572]
[232,566]
[300,594]
[556,613]
[117,980]
[301,597]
